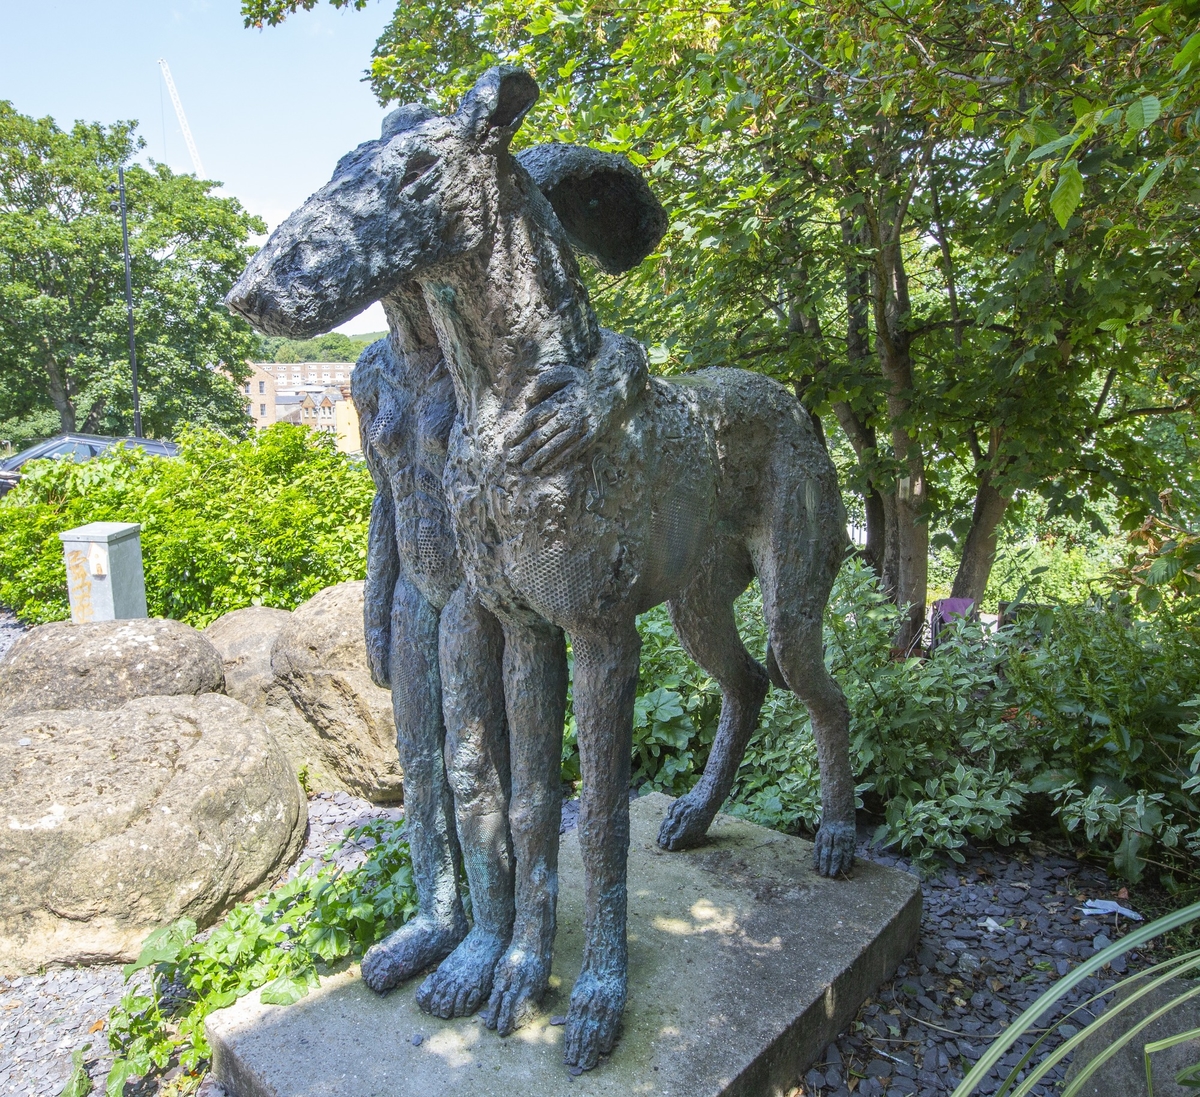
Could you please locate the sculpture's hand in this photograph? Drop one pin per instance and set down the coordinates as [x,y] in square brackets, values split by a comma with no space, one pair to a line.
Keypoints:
[559,421]
[570,407]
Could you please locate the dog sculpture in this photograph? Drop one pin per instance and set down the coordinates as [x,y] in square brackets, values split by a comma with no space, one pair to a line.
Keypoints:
[701,484]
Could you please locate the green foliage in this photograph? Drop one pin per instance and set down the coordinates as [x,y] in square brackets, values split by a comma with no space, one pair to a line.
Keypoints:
[265,521]
[675,714]
[1083,713]
[279,943]
[63,328]
[80,1082]
[333,347]
[980,262]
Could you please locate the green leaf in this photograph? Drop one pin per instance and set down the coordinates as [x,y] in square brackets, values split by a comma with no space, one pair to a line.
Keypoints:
[122,1070]
[1066,195]
[163,945]
[1188,53]
[1142,112]
[80,1082]
[1050,146]
[1151,179]
[283,991]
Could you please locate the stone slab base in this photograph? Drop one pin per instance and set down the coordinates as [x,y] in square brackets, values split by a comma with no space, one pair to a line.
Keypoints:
[744,964]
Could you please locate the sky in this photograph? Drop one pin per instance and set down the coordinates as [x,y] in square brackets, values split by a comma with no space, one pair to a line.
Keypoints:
[271,110]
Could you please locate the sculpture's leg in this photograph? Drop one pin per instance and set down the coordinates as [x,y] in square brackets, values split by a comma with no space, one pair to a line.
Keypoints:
[439,923]
[472,648]
[796,572]
[606,675]
[704,622]
[535,689]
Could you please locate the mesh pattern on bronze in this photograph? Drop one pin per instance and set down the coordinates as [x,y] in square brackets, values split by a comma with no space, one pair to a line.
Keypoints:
[670,527]
[428,483]
[429,546]
[382,426]
[557,580]
[401,681]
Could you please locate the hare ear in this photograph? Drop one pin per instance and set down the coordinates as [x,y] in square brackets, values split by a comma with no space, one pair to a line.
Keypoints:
[602,201]
[498,102]
[404,118]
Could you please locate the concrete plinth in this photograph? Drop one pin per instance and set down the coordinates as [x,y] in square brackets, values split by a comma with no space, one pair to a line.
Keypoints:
[743,965]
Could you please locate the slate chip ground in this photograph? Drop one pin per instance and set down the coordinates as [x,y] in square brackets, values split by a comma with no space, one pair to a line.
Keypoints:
[915,1039]
[995,933]
[10,629]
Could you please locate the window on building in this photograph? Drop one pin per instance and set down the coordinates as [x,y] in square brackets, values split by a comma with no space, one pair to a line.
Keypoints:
[262,387]
[262,409]
[247,388]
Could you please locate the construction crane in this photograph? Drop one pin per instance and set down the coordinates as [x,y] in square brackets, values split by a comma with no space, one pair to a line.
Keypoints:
[183,122]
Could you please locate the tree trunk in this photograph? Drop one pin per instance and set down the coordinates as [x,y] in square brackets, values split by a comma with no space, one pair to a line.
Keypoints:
[59,395]
[860,434]
[874,552]
[979,549]
[890,300]
[92,423]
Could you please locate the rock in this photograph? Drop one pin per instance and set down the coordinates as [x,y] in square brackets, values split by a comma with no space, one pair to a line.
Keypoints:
[320,658]
[122,821]
[101,664]
[244,639]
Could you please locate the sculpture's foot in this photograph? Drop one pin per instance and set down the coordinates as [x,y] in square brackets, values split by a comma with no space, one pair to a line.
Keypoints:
[687,821]
[463,981]
[518,984]
[418,944]
[593,1019]
[833,851]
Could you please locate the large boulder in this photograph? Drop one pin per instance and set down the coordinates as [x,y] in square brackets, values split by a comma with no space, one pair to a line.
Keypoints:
[100,664]
[320,658]
[119,822]
[244,639]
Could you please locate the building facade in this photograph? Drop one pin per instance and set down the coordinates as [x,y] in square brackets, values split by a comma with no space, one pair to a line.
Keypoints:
[312,394]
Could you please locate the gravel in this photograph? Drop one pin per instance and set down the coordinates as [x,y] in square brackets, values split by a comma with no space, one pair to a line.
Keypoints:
[996,931]
[10,629]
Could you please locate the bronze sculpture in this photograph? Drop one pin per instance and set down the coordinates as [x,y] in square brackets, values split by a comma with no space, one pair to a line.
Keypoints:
[685,493]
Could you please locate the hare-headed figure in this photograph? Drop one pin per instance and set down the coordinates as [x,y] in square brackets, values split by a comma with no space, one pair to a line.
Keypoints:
[428,638]
[702,483]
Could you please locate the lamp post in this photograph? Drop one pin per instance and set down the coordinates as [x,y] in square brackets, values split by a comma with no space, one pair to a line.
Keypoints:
[119,189]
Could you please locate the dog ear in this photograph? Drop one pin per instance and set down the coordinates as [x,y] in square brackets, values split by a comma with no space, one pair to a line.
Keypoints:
[602,201]
[498,103]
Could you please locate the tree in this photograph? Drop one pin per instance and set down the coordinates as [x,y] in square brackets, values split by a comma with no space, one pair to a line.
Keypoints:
[861,207]
[63,328]
[332,347]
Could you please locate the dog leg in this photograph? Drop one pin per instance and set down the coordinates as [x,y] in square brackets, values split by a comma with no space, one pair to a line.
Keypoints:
[606,675]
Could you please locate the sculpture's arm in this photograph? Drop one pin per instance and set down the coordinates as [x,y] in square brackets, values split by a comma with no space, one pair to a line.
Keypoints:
[383,569]
[571,406]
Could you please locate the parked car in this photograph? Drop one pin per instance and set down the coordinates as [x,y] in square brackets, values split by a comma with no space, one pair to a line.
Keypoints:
[78,448]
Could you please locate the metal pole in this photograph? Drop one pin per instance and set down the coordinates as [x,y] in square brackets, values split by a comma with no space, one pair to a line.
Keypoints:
[137,407]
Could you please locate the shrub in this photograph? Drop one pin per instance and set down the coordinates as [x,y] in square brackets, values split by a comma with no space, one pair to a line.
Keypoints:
[278,943]
[1085,715]
[266,521]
